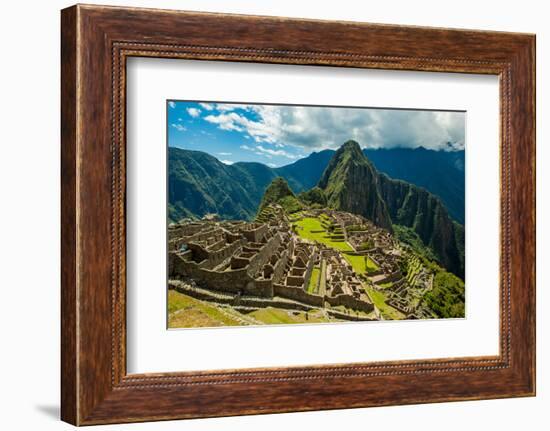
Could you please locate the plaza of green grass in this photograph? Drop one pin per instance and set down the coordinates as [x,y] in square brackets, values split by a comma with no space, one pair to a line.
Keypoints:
[320,229]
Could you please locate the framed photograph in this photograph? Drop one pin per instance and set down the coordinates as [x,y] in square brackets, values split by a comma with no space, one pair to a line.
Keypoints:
[264,215]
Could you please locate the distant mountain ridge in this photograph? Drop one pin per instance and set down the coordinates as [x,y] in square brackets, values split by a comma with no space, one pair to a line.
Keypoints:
[439,172]
[199,183]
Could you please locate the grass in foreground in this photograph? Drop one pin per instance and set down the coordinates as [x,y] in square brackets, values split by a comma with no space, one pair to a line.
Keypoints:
[277,316]
[187,312]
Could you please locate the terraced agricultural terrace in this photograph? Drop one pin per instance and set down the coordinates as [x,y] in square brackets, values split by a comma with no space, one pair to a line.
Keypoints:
[309,266]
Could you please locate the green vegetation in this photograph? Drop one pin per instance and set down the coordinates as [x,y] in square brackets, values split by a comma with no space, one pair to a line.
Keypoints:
[409,236]
[366,245]
[312,228]
[414,266]
[290,204]
[278,192]
[446,299]
[440,172]
[379,299]
[199,183]
[314,197]
[187,312]
[314,280]
[360,264]
[277,316]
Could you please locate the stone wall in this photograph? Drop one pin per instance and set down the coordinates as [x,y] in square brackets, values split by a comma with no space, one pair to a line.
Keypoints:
[349,302]
[257,262]
[309,269]
[174,258]
[175,244]
[216,257]
[295,281]
[185,230]
[394,276]
[232,281]
[351,317]
[297,294]
[255,232]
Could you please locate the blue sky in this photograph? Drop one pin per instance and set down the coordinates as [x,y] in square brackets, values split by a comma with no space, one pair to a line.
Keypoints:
[277,135]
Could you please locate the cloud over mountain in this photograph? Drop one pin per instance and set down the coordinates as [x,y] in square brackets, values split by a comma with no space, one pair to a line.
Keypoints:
[315,128]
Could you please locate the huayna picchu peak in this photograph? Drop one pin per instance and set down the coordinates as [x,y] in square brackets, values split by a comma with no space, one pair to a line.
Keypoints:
[350,183]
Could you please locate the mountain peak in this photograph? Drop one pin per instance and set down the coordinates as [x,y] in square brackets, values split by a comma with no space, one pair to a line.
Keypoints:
[279,192]
[351,146]
[350,183]
[280,186]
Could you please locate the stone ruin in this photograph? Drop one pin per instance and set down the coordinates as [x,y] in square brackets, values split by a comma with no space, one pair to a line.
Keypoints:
[260,264]
[250,265]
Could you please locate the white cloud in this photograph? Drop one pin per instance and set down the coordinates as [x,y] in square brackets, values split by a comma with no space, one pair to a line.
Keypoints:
[264,130]
[260,150]
[225,121]
[315,128]
[272,165]
[207,106]
[271,152]
[226,107]
[227,162]
[172,104]
[194,112]
[178,127]
[224,154]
